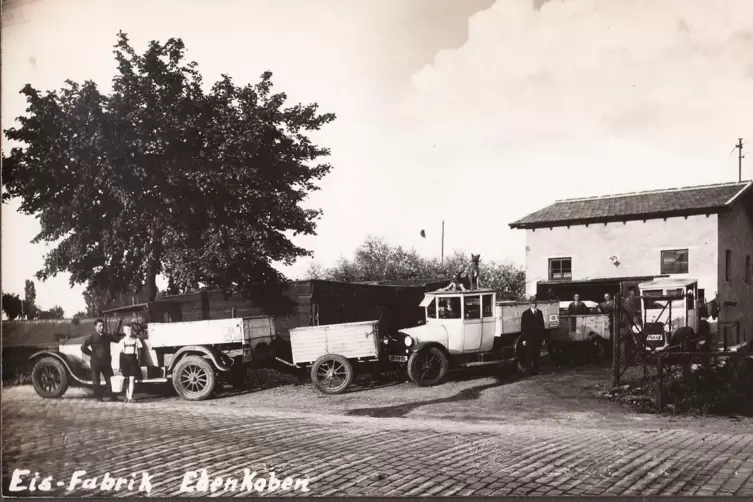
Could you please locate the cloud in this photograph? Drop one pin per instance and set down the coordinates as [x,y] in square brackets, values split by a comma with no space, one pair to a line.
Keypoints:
[675,71]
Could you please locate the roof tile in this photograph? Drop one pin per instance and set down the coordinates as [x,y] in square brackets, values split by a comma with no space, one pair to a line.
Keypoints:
[653,204]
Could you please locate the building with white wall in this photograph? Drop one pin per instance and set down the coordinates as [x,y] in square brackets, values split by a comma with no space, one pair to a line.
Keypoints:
[604,244]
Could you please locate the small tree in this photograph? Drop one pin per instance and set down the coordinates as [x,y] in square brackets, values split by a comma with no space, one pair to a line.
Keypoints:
[30,300]
[12,305]
[55,312]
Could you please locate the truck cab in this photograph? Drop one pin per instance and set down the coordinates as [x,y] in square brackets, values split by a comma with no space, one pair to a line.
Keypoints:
[670,308]
[462,321]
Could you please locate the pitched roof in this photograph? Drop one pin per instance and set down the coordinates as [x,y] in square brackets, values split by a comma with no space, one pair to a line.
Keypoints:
[637,205]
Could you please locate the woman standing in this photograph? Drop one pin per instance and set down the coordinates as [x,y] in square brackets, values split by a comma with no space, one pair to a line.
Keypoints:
[129,359]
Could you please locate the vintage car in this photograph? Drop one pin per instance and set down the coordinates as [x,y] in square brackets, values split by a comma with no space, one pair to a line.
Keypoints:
[464,329]
[195,356]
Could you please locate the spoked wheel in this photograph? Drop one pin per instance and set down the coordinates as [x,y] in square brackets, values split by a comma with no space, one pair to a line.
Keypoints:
[521,355]
[332,374]
[427,367]
[194,378]
[50,378]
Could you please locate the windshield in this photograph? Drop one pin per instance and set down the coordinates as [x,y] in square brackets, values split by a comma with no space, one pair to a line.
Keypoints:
[431,309]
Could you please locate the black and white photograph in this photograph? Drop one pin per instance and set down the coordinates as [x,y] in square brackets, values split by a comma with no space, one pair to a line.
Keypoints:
[377,248]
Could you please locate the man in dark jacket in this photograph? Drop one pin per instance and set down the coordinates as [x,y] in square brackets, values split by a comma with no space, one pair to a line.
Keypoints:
[533,329]
[97,345]
[577,307]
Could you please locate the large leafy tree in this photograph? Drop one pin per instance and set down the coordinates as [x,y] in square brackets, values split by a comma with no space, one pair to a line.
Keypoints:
[164,177]
[376,259]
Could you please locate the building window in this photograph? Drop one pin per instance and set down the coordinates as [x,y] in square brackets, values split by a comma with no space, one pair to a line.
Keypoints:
[728,265]
[748,268]
[560,269]
[674,261]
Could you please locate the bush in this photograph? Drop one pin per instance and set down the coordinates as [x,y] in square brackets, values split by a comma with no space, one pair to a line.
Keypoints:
[724,388]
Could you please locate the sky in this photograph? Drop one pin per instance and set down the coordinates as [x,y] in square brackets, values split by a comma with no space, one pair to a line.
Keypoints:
[471,112]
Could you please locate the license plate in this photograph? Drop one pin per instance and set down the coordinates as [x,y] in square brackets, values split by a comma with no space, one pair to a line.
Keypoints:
[654,338]
[398,359]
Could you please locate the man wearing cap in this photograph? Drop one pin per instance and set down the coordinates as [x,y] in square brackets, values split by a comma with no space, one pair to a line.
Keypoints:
[532,329]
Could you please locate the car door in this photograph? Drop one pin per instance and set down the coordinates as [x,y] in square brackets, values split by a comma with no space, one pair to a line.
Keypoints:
[488,322]
[472,323]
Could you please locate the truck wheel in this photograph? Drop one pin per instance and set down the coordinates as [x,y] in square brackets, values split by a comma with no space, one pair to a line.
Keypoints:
[332,374]
[194,378]
[555,353]
[598,348]
[49,377]
[428,367]
[521,355]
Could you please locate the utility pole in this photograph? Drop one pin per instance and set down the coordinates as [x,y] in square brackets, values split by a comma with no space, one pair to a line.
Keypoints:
[442,261]
[740,157]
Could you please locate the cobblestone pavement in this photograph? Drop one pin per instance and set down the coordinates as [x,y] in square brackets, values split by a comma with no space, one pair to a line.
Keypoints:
[346,455]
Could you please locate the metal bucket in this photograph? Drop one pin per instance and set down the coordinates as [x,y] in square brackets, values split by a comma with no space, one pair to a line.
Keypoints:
[117,384]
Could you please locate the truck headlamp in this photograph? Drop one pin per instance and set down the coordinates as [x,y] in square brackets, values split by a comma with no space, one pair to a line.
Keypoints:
[408,341]
[385,340]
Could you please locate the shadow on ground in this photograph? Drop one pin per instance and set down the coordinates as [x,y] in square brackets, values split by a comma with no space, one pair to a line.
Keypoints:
[402,410]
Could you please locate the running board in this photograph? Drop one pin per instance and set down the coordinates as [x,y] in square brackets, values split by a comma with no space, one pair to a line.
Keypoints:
[484,363]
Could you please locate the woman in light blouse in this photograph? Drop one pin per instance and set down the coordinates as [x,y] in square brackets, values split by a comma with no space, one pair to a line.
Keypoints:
[129,359]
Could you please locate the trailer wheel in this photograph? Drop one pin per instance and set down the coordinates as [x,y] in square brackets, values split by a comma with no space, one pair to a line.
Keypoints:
[428,367]
[555,353]
[49,377]
[194,378]
[598,348]
[332,374]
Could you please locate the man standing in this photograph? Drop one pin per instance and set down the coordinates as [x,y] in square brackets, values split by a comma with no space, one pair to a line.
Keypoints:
[607,306]
[97,345]
[577,307]
[532,328]
[631,318]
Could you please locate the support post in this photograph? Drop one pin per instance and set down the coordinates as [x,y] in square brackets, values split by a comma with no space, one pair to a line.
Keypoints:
[442,259]
[660,383]
[616,340]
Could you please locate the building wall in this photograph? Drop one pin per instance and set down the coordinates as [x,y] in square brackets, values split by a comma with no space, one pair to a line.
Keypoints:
[736,234]
[636,244]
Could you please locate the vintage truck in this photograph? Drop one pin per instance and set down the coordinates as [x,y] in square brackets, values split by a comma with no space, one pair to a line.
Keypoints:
[195,356]
[672,315]
[464,329]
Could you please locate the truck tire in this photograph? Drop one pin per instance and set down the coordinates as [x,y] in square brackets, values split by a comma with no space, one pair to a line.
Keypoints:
[521,355]
[599,350]
[431,360]
[332,374]
[194,378]
[50,378]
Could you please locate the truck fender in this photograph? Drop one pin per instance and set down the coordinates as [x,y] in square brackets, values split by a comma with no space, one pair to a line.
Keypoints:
[426,345]
[213,354]
[63,359]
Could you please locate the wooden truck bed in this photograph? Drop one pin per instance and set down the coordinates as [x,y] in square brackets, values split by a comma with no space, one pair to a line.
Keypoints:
[508,315]
[577,328]
[351,340]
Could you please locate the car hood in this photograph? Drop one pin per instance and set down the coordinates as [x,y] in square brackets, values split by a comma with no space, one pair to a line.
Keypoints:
[429,332]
